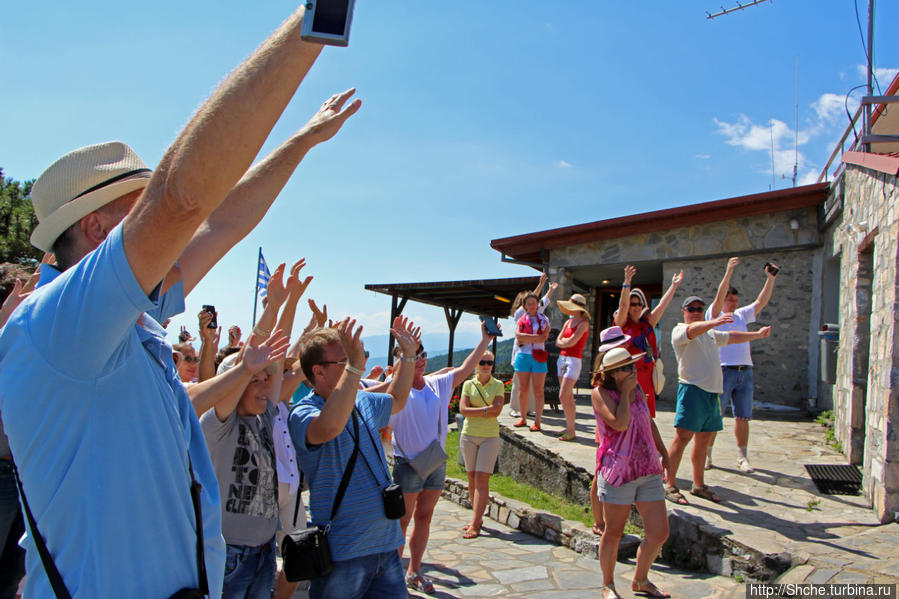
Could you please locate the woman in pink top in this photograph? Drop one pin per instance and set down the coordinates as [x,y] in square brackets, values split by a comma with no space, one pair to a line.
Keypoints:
[628,468]
[571,341]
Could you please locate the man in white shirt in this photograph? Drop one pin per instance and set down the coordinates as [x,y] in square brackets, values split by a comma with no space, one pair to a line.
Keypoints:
[700,382]
[736,359]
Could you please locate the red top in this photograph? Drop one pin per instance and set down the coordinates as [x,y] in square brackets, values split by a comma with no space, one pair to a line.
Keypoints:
[576,350]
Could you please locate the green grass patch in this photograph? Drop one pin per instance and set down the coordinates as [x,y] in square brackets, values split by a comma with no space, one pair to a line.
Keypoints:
[534,497]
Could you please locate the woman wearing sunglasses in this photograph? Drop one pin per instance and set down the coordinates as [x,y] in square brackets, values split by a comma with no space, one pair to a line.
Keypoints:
[481,403]
[629,469]
[637,320]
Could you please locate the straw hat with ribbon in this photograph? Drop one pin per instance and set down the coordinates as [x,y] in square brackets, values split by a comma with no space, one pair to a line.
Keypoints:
[618,358]
[81,182]
[577,304]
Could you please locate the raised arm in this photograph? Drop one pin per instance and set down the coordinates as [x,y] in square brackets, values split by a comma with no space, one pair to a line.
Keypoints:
[656,315]
[408,337]
[540,283]
[224,391]
[723,286]
[695,329]
[209,346]
[617,416]
[765,294]
[295,288]
[250,199]
[624,302]
[467,367]
[213,152]
[743,337]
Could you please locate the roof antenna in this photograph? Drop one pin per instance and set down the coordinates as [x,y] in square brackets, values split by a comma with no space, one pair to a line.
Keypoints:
[739,6]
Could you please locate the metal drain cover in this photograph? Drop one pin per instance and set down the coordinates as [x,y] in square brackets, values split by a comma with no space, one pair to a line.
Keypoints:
[835,479]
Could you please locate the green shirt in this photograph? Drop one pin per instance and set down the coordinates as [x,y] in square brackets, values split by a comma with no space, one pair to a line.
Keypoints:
[481,395]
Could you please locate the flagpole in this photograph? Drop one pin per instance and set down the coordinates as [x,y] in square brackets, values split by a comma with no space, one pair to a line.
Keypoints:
[256,284]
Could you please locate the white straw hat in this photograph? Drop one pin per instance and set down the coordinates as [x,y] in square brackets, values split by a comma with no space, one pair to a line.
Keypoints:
[81,182]
[617,358]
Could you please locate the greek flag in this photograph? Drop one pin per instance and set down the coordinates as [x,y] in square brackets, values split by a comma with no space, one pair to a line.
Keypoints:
[262,276]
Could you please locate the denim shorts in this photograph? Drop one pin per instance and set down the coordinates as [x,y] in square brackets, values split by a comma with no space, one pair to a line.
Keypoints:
[410,482]
[738,388]
[375,576]
[526,363]
[249,571]
[697,410]
[645,488]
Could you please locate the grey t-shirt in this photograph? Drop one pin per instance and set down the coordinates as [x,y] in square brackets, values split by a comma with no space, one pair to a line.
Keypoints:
[243,455]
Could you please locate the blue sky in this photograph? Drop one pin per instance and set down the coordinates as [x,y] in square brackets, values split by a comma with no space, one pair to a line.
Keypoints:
[479,120]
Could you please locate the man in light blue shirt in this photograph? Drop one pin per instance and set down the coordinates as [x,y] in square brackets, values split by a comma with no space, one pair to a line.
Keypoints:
[101,430]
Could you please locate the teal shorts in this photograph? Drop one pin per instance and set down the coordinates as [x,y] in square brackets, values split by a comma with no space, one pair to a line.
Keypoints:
[526,363]
[698,410]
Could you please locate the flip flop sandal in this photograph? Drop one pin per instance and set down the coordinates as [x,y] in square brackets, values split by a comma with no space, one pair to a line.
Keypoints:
[674,495]
[418,582]
[567,437]
[521,423]
[535,428]
[471,534]
[609,587]
[706,493]
[649,589]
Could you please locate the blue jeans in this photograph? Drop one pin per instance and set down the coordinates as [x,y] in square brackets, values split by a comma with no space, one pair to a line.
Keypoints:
[249,571]
[12,525]
[376,576]
[738,389]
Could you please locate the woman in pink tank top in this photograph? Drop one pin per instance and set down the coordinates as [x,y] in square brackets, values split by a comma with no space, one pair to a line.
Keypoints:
[628,468]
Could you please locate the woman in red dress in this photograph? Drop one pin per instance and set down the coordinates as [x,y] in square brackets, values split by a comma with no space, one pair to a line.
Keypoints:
[637,320]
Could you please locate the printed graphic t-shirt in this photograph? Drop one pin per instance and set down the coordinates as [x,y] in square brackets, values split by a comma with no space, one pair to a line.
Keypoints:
[243,454]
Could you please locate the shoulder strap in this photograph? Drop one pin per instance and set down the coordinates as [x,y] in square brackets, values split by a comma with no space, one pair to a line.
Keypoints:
[53,575]
[347,471]
[372,439]
[195,488]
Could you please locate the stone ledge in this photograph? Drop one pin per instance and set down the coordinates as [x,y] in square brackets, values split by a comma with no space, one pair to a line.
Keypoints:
[543,525]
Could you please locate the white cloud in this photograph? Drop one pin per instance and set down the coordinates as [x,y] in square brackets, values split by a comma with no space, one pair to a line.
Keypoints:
[703,156]
[884,74]
[561,164]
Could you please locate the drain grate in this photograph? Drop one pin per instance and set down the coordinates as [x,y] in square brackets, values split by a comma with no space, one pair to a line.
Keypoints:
[835,479]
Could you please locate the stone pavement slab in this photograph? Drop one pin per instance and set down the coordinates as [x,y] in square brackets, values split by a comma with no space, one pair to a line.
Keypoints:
[488,566]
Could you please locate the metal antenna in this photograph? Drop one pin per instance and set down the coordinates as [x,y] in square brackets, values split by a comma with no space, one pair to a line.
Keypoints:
[739,6]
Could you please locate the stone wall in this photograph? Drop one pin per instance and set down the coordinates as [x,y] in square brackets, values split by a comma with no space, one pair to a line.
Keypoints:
[866,410]
[787,360]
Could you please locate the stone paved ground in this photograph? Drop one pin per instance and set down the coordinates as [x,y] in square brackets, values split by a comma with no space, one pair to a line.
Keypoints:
[777,508]
[504,562]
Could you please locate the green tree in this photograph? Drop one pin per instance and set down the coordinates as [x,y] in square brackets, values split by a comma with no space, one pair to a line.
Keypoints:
[17,221]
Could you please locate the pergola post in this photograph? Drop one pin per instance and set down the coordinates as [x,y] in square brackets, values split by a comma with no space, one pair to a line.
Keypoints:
[452,319]
[396,308]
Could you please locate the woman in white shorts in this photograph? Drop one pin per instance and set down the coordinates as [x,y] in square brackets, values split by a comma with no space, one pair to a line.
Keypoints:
[481,403]
[628,468]
[571,341]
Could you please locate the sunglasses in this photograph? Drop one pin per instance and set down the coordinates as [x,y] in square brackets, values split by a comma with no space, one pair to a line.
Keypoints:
[628,368]
[636,304]
[341,362]
[486,363]
[190,359]
[694,309]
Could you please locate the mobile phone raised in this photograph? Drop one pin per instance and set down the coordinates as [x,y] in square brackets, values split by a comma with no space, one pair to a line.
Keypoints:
[214,323]
[328,22]
[771,269]
[492,326]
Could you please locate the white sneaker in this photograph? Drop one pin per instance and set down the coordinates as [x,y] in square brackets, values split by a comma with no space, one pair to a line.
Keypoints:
[514,413]
[744,465]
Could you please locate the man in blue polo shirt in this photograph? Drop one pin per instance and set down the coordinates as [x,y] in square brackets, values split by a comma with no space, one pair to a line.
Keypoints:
[363,541]
[101,429]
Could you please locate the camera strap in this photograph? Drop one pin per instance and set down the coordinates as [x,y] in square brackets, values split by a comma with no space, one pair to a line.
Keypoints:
[347,471]
[55,578]
[372,439]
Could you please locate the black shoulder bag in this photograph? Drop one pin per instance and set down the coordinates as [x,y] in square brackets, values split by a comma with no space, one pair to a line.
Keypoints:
[306,552]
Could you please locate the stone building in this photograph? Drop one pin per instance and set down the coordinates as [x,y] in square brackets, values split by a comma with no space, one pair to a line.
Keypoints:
[837,244]
[780,226]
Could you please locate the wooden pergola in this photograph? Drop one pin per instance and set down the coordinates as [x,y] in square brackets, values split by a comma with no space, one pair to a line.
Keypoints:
[482,297]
